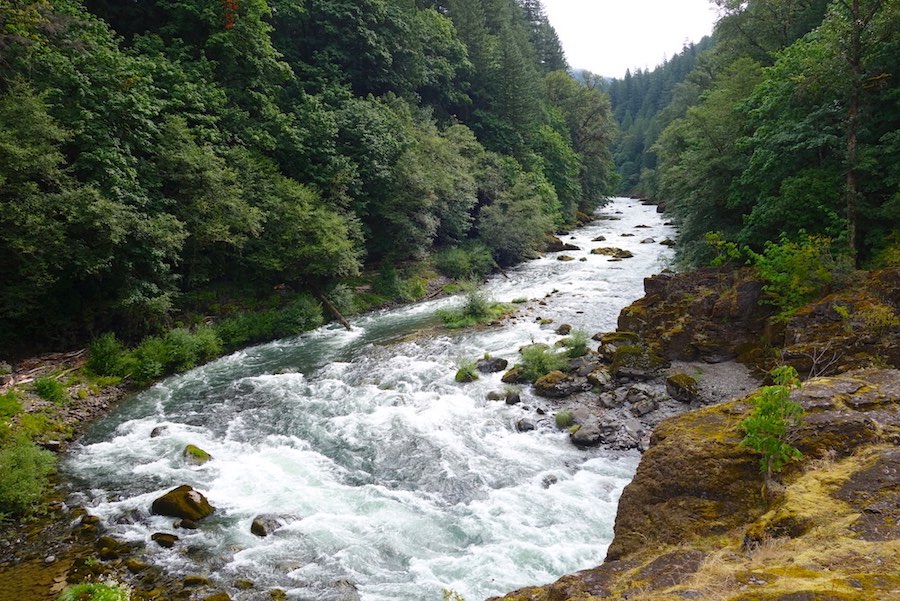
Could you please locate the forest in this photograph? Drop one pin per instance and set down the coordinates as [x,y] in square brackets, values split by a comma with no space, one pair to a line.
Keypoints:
[166,158]
[782,129]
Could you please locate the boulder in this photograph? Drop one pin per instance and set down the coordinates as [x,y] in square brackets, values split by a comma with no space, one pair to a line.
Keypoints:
[557,385]
[599,239]
[615,253]
[159,431]
[183,502]
[514,376]
[491,365]
[554,244]
[565,258]
[167,541]
[648,241]
[668,242]
[194,455]
[265,524]
[512,397]
[682,387]
[643,407]
[496,395]
[564,330]
[524,425]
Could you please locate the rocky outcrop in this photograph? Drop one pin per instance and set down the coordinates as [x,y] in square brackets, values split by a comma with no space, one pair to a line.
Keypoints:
[554,244]
[694,522]
[183,502]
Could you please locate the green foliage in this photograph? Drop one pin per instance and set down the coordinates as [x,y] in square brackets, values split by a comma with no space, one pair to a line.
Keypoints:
[24,468]
[106,356]
[50,389]
[450,595]
[576,343]
[767,428]
[466,371]
[9,404]
[725,252]
[797,271]
[564,419]
[879,318]
[477,308]
[465,262]
[95,591]
[538,360]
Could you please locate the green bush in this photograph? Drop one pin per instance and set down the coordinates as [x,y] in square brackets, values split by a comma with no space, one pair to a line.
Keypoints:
[50,389]
[106,356]
[576,343]
[246,328]
[304,313]
[767,428]
[797,272]
[466,370]
[24,468]
[9,404]
[538,360]
[466,262]
[94,591]
[564,419]
[477,308]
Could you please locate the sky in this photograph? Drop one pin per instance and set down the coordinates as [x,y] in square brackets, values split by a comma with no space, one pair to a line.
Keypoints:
[609,36]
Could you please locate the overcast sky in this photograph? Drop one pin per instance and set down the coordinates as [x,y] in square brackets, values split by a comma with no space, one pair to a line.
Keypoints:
[610,36]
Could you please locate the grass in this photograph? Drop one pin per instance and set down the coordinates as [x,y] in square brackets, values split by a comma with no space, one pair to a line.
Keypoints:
[478,308]
[466,371]
[576,344]
[50,389]
[95,591]
[538,361]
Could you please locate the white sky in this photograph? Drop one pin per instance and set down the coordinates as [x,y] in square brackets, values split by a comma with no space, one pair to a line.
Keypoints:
[609,36]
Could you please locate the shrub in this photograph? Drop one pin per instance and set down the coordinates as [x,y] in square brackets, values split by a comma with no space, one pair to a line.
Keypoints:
[767,428]
[538,360]
[9,404]
[302,314]
[466,262]
[246,328]
[797,272]
[50,389]
[95,591]
[477,308]
[106,356]
[466,371]
[24,468]
[341,296]
[564,419]
[879,318]
[576,343]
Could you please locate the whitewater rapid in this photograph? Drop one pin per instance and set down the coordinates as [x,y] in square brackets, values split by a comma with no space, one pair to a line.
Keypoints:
[390,474]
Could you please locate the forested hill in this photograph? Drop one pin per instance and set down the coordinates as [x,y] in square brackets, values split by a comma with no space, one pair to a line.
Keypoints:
[154,152]
[785,134]
[643,104]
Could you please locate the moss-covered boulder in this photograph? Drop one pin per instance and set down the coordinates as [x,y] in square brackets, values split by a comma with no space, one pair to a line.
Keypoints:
[194,455]
[183,502]
[558,385]
[682,387]
[615,253]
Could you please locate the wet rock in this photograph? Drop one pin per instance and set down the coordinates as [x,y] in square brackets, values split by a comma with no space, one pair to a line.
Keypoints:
[599,377]
[614,398]
[220,596]
[496,395]
[346,591]
[159,431]
[265,524]
[513,397]
[194,455]
[549,480]
[524,425]
[194,581]
[615,253]
[164,540]
[627,235]
[648,241]
[135,565]
[682,387]
[243,584]
[514,376]
[557,385]
[565,258]
[465,376]
[554,244]
[185,524]
[599,239]
[564,329]
[491,365]
[668,242]
[182,502]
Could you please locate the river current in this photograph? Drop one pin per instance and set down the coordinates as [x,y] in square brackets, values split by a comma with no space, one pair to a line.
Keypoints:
[395,477]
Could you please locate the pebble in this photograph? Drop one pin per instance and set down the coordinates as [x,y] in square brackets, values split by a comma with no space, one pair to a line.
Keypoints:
[50,559]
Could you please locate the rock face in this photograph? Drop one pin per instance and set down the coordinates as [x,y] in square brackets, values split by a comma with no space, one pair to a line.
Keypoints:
[183,502]
[694,521]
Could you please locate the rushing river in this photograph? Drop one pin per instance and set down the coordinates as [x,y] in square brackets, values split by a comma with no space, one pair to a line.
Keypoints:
[401,480]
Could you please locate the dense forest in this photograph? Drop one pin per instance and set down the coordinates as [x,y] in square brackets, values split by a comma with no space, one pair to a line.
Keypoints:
[155,153]
[785,129]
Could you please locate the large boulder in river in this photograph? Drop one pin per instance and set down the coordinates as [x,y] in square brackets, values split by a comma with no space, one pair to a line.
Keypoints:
[491,364]
[615,253]
[557,385]
[554,244]
[194,455]
[183,502]
[265,524]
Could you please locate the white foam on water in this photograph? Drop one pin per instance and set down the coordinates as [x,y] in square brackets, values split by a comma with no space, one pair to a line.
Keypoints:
[385,471]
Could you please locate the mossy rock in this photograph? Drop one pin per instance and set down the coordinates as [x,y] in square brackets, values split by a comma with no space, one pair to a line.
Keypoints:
[182,502]
[682,387]
[194,455]
[618,338]
[615,253]
[464,376]
[194,581]
[220,596]
[516,375]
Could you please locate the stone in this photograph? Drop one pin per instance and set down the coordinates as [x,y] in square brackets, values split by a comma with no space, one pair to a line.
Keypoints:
[513,397]
[265,524]
[549,480]
[648,241]
[668,242]
[644,406]
[182,502]
[682,387]
[135,565]
[599,377]
[185,524]
[164,540]
[565,258]
[615,253]
[159,431]
[192,581]
[194,455]
[554,244]
[599,239]
[491,365]
[514,376]
[564,329]
[346,591]
[496,395]
[558,385]
[524,425]
[587,435]
[220,596]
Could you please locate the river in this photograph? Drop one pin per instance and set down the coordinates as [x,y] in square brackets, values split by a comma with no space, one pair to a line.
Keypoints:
[398,479]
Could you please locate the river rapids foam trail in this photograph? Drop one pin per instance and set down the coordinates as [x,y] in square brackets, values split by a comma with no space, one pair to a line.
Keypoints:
[401,481]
